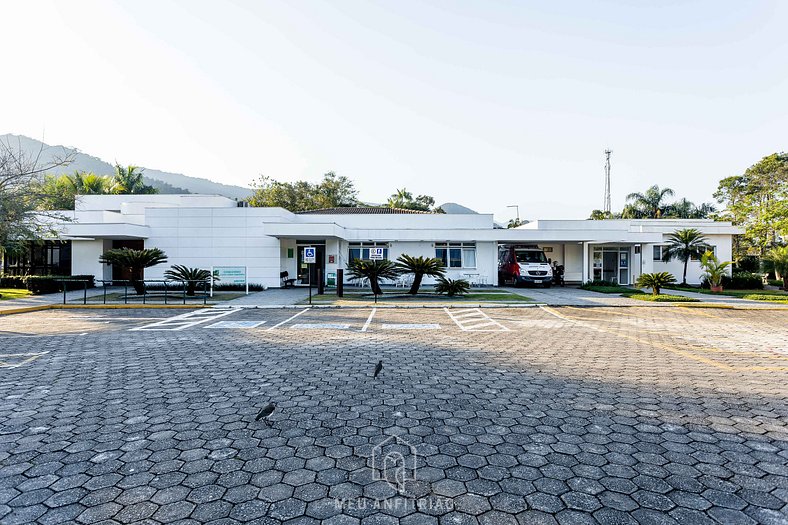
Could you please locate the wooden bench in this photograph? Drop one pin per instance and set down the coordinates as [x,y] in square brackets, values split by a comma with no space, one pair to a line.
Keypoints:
[285,281]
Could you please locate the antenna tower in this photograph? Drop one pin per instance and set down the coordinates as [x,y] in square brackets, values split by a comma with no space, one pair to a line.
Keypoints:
[606,207]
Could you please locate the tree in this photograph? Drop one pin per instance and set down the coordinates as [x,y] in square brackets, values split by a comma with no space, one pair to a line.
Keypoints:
[128,180]
[685,209]
[20,176]
[375,271]
[599,215]
[713,269]
[419,267]
[56,192]
[403,199]
[515,223]
[191,277]
[650,204]
[758,201]
[655,281]
[334,191]
[88,183]
[684,245]
[778,257]
[135,261]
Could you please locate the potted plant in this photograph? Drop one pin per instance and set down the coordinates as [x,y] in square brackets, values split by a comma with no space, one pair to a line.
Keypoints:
[713,270]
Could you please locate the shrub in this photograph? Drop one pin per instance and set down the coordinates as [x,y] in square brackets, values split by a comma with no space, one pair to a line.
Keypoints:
[452,287]
[598,282]
[748,263]
[741,281]
[655,281]
[192,277]
[779,298]
[43,284]
[775,282]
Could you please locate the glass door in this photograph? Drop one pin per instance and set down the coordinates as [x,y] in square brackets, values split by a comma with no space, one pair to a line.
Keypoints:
[623,266]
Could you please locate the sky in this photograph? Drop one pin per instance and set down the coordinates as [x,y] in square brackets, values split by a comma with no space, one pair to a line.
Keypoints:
[487,104]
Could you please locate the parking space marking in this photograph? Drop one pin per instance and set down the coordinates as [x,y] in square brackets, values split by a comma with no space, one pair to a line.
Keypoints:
[475,320]
[411,326]
[369,320]
[277,325]
[183,321]
[236,324]
[320,326]
[26,358]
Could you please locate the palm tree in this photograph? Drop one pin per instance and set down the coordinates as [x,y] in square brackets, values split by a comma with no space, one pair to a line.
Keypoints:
[87,183]
[129,180]
[655,281]
[684,245]
[713,269]
[135,261]
[419,267]
[191,277]
[400,199]
[651,203]
[779,258]
[374,271]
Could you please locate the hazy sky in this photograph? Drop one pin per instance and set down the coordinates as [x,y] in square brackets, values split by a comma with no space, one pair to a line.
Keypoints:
[482,103]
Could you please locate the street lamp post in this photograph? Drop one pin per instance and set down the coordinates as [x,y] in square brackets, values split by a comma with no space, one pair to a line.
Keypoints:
[518,211]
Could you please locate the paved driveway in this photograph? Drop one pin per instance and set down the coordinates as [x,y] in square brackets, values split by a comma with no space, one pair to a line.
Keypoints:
[491,416]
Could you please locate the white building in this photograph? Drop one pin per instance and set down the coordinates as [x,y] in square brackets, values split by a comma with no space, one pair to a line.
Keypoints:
[205,231]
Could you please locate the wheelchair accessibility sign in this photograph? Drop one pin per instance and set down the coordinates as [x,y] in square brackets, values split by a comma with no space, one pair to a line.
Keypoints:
[310,256]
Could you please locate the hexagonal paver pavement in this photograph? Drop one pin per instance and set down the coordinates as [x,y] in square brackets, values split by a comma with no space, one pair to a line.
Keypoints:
[652,415]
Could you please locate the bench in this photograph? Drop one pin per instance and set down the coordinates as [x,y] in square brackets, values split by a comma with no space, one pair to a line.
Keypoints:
[285,281]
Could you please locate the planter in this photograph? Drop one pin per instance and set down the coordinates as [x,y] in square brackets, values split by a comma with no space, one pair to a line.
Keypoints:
[716,288]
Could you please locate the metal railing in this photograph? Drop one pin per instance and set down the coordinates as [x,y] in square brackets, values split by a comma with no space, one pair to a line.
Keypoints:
[171,290]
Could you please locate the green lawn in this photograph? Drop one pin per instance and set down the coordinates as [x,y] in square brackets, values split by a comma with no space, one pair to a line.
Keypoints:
[662,298]
[13,293]
[478,297]
[752,295]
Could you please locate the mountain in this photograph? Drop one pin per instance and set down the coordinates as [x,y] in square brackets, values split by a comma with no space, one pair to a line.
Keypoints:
[165,182]
[454,208]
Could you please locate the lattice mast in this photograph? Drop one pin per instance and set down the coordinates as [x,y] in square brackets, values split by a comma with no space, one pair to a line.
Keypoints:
[606,207]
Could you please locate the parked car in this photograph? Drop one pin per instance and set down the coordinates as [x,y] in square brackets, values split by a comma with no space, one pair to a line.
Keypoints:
[523,264]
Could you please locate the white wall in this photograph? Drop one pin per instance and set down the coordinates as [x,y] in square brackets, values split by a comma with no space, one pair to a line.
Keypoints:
[205,237]
[85,258]
[694,271]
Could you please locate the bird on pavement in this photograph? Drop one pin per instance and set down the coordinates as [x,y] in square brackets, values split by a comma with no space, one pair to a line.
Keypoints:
[265,412]
[378,368]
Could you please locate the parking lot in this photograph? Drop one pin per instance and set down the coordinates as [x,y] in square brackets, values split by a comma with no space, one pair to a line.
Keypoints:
[529,415]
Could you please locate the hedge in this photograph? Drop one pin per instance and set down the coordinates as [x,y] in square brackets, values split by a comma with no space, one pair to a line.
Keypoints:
[41,284]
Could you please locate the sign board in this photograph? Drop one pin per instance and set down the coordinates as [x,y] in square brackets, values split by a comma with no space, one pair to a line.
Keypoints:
[310,257]
[376,254]
[229,275]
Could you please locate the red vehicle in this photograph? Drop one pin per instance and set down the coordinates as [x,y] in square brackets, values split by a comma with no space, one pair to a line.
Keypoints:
[522,265]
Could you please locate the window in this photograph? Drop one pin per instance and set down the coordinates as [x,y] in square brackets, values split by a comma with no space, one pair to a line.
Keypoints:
[456,254]
[530,256]
[360,250]
[713,250]
[658,253]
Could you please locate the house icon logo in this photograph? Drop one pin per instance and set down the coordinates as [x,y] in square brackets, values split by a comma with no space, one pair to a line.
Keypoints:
[394,461]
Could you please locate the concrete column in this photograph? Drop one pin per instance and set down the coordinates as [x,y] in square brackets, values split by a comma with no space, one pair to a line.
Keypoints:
[585,262]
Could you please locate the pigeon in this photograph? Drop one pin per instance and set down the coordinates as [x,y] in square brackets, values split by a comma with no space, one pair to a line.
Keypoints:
[265,412]
[378,368]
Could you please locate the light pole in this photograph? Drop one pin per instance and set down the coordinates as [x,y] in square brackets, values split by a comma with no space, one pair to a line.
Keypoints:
[518,211]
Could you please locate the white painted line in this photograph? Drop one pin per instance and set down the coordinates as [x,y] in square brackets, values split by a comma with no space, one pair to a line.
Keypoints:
[369,320]
[236,324]
[412,326]
[30,357]
[183,321]
[320,326]
[277,325]
[474,320]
